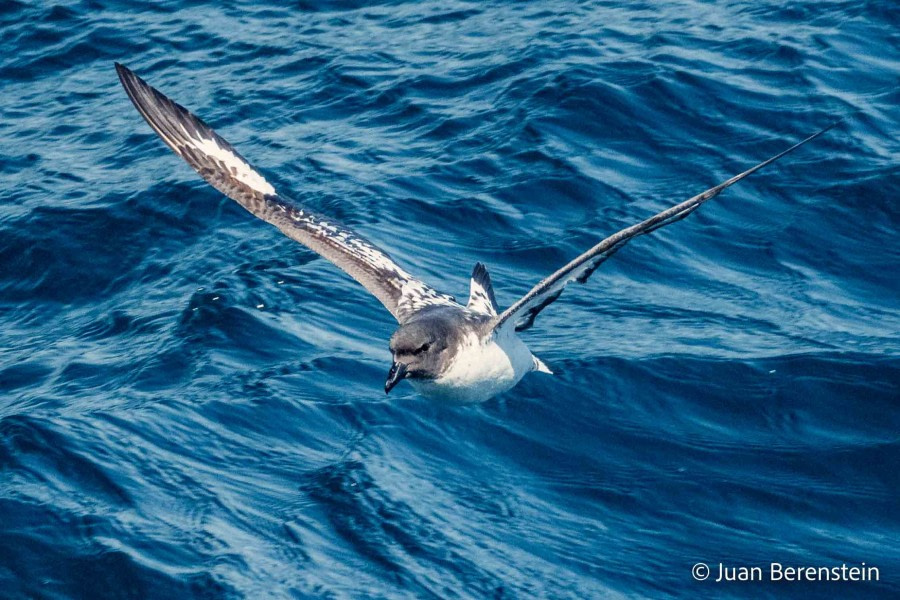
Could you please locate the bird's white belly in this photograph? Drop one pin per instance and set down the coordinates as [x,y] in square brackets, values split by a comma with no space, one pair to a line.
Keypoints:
[480,370]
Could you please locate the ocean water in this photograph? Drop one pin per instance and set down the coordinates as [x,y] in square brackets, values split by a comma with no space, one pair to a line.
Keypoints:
[191,404]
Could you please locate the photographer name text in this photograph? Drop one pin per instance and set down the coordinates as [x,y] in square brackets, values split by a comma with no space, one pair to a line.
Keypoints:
[720,573]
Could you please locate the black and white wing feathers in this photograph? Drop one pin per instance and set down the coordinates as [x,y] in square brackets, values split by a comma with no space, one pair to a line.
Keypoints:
[481,292]
[230,173]
[523,312]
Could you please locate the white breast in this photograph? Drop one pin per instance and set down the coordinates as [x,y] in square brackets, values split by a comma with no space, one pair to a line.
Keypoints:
[480,370]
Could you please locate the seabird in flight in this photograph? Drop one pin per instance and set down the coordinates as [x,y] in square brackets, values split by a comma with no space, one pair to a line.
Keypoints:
[446,350]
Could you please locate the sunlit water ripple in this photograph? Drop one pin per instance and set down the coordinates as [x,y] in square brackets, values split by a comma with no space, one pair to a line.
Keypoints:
[192,404]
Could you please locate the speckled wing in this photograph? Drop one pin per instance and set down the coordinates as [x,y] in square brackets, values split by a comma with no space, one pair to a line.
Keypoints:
[230,173]
[523,312]
[481,292]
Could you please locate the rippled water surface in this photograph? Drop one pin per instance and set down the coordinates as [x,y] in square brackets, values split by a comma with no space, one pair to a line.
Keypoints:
[192,404]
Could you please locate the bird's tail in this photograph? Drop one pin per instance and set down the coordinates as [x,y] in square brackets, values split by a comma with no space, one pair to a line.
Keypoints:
[539,366]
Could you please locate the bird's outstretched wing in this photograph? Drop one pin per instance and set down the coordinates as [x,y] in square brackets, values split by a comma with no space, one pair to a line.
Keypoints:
[230,173]
[523,312]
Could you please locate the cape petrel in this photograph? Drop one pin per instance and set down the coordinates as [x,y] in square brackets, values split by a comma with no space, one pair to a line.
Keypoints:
[446,350]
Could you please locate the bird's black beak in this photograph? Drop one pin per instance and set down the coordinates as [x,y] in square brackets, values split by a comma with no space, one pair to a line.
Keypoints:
[395,375]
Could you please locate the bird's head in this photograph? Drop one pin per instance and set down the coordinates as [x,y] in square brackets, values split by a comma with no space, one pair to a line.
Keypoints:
[419,350]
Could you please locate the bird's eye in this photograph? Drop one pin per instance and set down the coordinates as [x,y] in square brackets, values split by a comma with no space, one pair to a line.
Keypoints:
[422,348]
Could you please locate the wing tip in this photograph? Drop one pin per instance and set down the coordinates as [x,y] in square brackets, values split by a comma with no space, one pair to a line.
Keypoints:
[481,281]
[480,272]
[127,77]
[825,129]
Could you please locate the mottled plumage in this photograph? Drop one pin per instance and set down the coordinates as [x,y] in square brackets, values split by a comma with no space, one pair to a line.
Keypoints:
[448,351]
[230,173]
[481,292]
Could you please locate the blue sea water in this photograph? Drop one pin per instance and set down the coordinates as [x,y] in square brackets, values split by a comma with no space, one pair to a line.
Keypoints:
[191,404]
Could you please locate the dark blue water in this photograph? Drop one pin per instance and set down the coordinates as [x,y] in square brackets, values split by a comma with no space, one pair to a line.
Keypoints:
[192,404]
